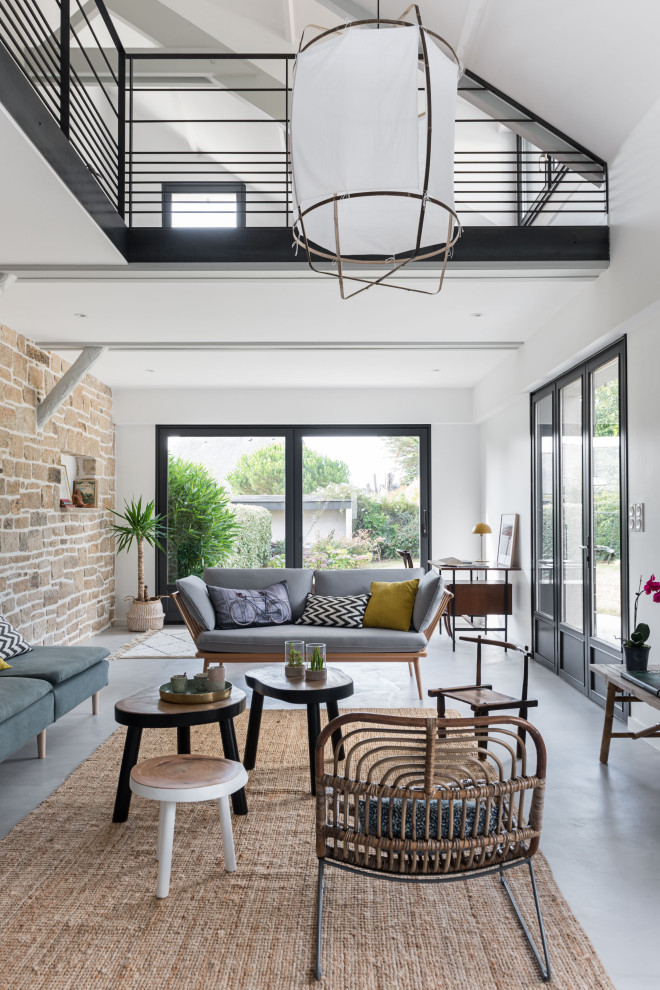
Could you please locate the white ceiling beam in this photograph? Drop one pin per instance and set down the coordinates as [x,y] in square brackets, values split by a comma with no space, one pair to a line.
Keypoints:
[288,345]
[288,21]
[347,8]
[68,382]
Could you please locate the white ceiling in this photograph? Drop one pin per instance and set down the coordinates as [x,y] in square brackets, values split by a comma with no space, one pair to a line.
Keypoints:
[587,68]
[239,308]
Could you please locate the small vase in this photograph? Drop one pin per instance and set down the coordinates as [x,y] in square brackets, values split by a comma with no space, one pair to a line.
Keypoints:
[315,658]
[216,677]
[636,657]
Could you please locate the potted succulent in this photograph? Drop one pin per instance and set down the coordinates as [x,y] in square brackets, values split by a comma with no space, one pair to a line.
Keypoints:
[294,666]
[316,668]
[140,525]
[636,649]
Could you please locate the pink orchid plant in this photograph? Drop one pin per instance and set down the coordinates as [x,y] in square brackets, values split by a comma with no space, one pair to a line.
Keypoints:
[641,632]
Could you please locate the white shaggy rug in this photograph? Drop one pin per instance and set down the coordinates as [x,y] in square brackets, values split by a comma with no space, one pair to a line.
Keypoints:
[174,642]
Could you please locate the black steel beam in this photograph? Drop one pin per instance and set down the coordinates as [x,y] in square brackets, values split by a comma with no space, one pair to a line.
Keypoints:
[263,245]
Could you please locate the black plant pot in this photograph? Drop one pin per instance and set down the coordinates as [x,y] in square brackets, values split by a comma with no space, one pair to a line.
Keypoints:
[636,657]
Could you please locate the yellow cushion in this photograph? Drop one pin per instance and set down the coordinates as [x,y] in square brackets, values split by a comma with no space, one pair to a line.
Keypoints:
[391,604]
[4,666]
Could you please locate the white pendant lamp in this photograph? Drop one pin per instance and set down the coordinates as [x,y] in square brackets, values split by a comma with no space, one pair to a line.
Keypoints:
[372,148]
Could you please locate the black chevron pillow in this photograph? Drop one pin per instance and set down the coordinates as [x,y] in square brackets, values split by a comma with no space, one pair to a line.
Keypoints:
[334,610]
[12,643]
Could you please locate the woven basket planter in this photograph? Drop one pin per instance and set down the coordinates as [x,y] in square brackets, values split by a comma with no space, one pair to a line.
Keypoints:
[143,616]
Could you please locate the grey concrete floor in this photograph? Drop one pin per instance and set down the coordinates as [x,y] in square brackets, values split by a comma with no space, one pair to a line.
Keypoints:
[601,824]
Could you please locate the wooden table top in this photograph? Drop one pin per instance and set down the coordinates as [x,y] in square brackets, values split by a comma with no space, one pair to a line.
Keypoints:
[148,704]
[612,674]
[273,683]
[472,565]
[184,771]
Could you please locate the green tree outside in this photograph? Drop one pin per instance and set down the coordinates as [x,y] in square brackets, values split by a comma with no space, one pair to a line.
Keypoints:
[262,471]
[201,528]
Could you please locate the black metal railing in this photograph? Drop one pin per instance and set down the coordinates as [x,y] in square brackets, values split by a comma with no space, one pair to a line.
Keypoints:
[71,54]
[201,139]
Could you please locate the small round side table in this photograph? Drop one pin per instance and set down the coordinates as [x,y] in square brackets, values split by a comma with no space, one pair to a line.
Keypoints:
[271,682]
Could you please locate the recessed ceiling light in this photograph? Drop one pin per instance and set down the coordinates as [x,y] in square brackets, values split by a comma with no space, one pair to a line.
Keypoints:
[80,316]
[477,314]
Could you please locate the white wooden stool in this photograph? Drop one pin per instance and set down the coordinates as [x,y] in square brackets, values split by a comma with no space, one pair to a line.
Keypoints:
[170,779]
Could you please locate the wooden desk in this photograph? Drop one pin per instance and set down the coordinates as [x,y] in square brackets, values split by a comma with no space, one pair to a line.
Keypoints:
[479,597]
[619,689]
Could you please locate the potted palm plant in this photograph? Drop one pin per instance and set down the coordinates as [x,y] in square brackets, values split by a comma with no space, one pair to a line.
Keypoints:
[140,525]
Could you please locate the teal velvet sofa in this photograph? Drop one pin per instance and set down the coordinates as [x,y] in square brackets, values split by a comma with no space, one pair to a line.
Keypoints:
[43,685]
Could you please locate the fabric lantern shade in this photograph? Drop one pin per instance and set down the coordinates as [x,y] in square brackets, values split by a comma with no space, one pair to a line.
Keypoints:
[372,156]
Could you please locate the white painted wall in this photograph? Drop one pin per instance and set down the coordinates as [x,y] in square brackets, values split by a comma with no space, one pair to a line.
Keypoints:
[505,465]
[455,474]
[625,299]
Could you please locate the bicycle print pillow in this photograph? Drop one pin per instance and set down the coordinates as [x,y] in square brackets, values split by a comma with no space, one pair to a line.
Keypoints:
[237,608]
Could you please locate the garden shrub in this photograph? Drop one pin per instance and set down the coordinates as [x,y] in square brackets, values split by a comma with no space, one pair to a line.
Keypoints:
[253,540]
[200,524]
[392,518]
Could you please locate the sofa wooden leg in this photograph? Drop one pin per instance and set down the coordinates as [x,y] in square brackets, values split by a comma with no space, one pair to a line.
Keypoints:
[410,668]
[418,675]
[95,703]
[41,745]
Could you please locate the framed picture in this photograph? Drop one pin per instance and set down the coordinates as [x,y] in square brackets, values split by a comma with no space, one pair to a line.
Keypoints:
[86,489]
[506,545]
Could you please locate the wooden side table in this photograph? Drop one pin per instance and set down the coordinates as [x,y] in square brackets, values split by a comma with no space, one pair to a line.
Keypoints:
[619,689]
[271,682]
[146,710]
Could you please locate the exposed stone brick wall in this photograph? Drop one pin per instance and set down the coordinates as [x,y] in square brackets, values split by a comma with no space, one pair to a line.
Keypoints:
[56,565]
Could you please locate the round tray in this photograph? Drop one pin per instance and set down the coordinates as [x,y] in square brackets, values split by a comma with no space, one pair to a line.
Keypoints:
[191,697]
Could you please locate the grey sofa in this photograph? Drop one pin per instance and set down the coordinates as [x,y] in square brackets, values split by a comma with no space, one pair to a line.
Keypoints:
[262,643]
[43,685]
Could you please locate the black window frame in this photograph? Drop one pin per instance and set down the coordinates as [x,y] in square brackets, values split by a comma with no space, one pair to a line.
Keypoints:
[170,188]
[596,650]
[293,440]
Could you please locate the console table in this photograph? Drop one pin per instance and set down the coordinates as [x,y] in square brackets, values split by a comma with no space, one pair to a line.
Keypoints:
[619,689]
[479,596]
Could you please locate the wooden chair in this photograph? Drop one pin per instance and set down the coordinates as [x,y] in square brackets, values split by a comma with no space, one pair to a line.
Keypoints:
[418,799]
[480,697]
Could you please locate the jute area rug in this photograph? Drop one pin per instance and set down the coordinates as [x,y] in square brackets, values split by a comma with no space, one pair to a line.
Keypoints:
[78,907]
[169,643]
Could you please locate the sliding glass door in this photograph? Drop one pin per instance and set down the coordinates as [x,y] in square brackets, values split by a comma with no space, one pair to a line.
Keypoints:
[316,497]
[370,508]
[579,577]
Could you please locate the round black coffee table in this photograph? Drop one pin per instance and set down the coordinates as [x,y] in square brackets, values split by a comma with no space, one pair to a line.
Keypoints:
[147,710]
[271,682]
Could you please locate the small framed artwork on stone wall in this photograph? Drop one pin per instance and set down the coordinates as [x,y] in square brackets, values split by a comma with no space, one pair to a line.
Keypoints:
[85,489]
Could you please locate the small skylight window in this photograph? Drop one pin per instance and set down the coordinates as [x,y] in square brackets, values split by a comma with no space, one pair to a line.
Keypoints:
[191,204]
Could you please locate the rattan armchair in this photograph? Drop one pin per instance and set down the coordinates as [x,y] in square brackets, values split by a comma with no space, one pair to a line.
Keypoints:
[430,800]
